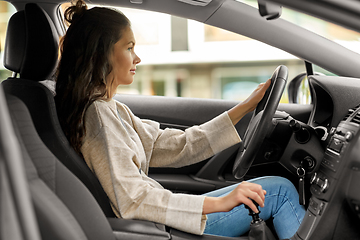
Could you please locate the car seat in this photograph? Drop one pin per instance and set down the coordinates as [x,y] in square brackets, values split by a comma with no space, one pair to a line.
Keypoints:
[31,50]
[17,218]
[64,207]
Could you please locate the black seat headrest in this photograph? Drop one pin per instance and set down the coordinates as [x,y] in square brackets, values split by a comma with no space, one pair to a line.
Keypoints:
[32,42]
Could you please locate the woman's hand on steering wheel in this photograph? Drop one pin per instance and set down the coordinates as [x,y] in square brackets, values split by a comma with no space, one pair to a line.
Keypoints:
[261,122]
[241,109]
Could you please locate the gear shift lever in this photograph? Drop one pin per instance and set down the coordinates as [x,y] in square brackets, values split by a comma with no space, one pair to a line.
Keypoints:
[258,228]
[255,216]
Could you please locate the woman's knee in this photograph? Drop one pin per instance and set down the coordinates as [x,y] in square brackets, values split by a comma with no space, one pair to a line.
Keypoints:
[286,184]
[276,183]
[283,182]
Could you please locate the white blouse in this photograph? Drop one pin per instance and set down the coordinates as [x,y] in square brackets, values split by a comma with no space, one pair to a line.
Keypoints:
[119,148]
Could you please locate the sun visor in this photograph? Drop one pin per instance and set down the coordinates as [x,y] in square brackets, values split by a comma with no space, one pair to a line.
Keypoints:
[196,2]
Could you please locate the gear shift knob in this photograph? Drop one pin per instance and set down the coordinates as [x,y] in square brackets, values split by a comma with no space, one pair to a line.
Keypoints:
[255,216]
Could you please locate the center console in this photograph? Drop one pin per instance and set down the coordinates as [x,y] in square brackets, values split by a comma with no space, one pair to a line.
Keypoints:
[325,181]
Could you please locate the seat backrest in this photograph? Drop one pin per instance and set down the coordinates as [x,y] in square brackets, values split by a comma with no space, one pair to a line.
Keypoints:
[17,217]
[31,50]
[64,207]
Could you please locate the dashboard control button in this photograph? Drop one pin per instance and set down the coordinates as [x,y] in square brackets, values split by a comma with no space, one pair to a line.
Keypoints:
[332,131]
[348,136]
[336,145]
[313,178]
[323,184]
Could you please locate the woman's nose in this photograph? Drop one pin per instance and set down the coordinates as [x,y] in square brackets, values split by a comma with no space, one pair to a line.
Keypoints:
[137,60]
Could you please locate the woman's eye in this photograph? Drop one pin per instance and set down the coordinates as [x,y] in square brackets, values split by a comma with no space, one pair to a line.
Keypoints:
[130,48]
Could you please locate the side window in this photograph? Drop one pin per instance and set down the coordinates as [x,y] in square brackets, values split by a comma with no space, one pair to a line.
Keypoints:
[185,58]
[6,10]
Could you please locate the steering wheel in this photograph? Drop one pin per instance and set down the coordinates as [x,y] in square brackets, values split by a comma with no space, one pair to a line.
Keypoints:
[260,122]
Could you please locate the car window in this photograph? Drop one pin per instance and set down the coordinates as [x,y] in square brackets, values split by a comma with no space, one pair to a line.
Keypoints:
[343,36]
[201,61]
[185,58]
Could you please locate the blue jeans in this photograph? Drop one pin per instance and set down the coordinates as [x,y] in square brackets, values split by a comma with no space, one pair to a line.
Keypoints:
[281,203]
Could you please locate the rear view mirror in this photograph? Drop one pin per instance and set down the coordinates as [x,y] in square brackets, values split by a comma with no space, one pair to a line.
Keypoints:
[269,10]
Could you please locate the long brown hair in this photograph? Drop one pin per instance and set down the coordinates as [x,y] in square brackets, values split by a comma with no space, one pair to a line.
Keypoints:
[84,64]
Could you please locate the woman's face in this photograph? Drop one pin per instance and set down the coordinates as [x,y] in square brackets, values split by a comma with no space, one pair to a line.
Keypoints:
[123,60]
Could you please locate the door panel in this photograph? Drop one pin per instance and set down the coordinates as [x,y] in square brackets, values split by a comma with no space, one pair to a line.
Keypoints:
[182,113]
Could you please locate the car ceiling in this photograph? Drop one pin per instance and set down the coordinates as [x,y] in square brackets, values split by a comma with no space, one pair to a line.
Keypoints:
[243,19]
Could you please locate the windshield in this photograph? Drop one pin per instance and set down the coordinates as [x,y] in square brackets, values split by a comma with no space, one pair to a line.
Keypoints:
[345,37]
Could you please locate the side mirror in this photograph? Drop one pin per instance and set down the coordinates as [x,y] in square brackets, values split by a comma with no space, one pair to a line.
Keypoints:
[269,10]
[299,89]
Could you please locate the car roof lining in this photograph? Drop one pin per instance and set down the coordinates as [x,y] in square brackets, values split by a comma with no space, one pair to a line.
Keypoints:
[173,7]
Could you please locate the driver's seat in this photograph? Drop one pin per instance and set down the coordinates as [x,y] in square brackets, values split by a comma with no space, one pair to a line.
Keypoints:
[31,51]
[64,207]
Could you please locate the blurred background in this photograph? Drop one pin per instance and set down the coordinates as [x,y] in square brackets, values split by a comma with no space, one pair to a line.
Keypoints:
[186,58]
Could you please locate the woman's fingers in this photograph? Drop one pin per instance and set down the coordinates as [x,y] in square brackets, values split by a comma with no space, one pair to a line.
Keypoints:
[254,192]
[251,205]
[263,87]
[256,96]
[244,193]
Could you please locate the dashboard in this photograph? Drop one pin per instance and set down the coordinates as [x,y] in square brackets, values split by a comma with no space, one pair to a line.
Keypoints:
[332,97]
[334,186]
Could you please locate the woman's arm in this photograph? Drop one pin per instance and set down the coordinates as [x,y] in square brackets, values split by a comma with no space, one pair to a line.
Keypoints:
[175,148]
[240,110]
[240,195]
[244,191]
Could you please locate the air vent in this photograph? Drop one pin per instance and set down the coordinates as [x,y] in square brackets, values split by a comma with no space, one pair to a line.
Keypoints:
[351,111]
[353,115]
[196,2]
[356,118]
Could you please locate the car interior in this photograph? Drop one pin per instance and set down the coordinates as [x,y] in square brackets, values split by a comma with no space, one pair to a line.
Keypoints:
[48,192]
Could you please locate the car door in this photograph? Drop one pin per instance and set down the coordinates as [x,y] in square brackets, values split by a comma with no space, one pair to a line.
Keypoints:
[181,113]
